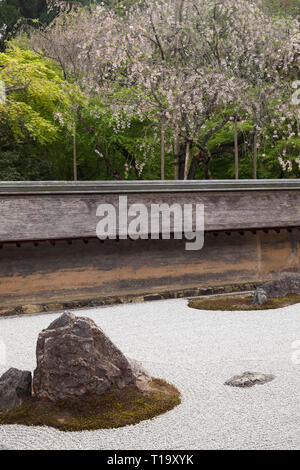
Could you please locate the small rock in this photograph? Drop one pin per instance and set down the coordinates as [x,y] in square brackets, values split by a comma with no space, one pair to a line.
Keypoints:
[54,307]
[228,289]
[260,297]
[30,309]
[76,358]
[138,371]
[137,299]
[248,379]
[15,386]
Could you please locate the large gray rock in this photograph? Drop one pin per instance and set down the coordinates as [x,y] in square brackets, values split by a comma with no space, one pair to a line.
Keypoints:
[248,379]
[287,284]
[15,386]
[260,297]
[76,358]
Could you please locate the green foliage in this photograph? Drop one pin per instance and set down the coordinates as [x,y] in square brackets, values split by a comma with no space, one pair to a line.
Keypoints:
[28,129]
[34,145]
[128,150]
[14,167]
[36,122]
[281,7]
[29,112]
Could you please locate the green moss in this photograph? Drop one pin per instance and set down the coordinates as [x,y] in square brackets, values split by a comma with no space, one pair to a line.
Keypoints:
[241,302]
[114,409]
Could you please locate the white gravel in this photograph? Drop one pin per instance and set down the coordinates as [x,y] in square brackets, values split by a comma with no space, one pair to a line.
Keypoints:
[197,351]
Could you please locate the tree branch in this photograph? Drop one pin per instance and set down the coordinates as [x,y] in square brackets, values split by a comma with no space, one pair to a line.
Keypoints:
[17,88]
[211,132]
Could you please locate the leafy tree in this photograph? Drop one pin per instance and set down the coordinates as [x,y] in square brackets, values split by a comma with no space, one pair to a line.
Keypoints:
[36,98]
[163,90]
[35,91]
[36,127]
[186,67]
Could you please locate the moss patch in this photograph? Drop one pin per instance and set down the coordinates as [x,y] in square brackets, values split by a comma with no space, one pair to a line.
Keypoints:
[241,302]
[114,409]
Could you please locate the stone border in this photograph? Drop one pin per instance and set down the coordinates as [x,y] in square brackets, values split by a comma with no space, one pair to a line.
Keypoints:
[130,298]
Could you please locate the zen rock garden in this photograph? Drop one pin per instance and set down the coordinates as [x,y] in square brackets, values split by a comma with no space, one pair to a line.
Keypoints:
[82,381]
[76,360]
[76,363]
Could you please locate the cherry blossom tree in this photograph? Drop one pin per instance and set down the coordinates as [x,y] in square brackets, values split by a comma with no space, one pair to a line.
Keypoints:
[188,67]
[198,62]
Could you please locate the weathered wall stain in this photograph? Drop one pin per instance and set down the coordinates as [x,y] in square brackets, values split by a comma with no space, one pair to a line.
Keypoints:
[78,270]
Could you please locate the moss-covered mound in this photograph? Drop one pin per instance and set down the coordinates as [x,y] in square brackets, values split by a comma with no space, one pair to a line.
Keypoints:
[241,302]
[114,409]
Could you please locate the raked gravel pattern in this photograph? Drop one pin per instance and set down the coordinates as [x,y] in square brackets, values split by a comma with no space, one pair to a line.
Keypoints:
[197,351]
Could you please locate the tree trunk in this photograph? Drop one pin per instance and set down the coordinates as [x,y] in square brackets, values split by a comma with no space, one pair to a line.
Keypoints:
[207,172]
[176,158]
[193,168]
[187,158]
[182,151]
[162,150]
[197,158]
[74,148]
[255,155]
[236,149]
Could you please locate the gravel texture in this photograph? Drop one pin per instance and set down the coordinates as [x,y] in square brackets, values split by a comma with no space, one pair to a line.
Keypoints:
[197,351]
